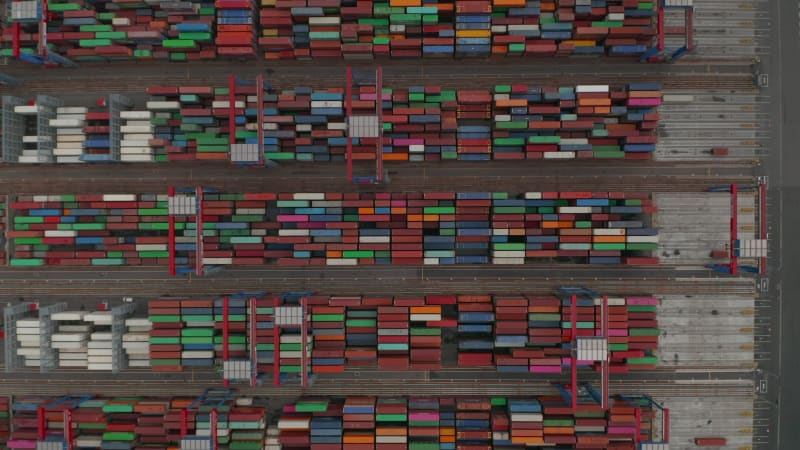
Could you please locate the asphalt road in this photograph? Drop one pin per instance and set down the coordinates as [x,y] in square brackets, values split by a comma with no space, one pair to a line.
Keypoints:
[445,176]
[370,280]
[105,76]
[784,191]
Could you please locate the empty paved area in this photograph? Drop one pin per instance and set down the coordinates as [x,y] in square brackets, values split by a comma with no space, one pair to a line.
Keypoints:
[705,333]
[708,416]
[736,121]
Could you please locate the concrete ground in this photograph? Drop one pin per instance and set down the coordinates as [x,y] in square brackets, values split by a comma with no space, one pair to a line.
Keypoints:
[736,121]
[706,333]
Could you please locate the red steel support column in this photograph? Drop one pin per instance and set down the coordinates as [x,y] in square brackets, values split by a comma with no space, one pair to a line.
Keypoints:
[734,228]
[41,423]
[43,30]
[762,223]
[689,28]
[260,117]
[348,108]
[15,41]
[379,113]
[304,345]
[214,431]
[604,362]
[184,423]
[276,344]
[232,109]
[660,8]
[225,335]
[665,424]
[199,237]
[68,432]
[573,365]
[252,341]
[637,413]
[171,235]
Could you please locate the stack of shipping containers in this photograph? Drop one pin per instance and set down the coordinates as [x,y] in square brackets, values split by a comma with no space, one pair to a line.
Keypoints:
[421,123]
[510,333]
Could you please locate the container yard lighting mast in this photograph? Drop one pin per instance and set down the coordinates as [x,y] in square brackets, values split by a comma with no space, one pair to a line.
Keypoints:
[365,126]
[31,11]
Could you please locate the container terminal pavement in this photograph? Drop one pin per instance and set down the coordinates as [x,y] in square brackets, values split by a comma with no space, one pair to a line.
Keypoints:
[534,249]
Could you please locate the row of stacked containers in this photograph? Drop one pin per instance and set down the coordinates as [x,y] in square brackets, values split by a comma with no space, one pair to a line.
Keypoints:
[509,334]
[313,229]
[420,123]
[463,423]
[340,423]
[127,423]
[349,29]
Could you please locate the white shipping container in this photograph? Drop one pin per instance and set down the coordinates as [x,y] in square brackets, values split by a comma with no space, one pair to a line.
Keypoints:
[326,203]
[391,439]
[71,110]
[324,20]
[612,301]
[341,262]
[69,345]
[575,209]
[120,198]
[29,352]
[160,106]
[430,261]
[341,126]
[139,362]
[304,127]
[416,148]
[71,316]
[326,104]
[136,115]
[151,247]
[559,155]
[591,88]
[643,239]
[219,261]
[677,98]
[136,158]
[609,231]
[425,317]
[574,141]
[294,232]
[225,103]
[523,27]
[29,323]
[508,253]
[374,239]
[27,110]
[138,322]
[502,118]
[499,29]
[100,336]
[508,260]
[309,196]
[70,138]
[60,233]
